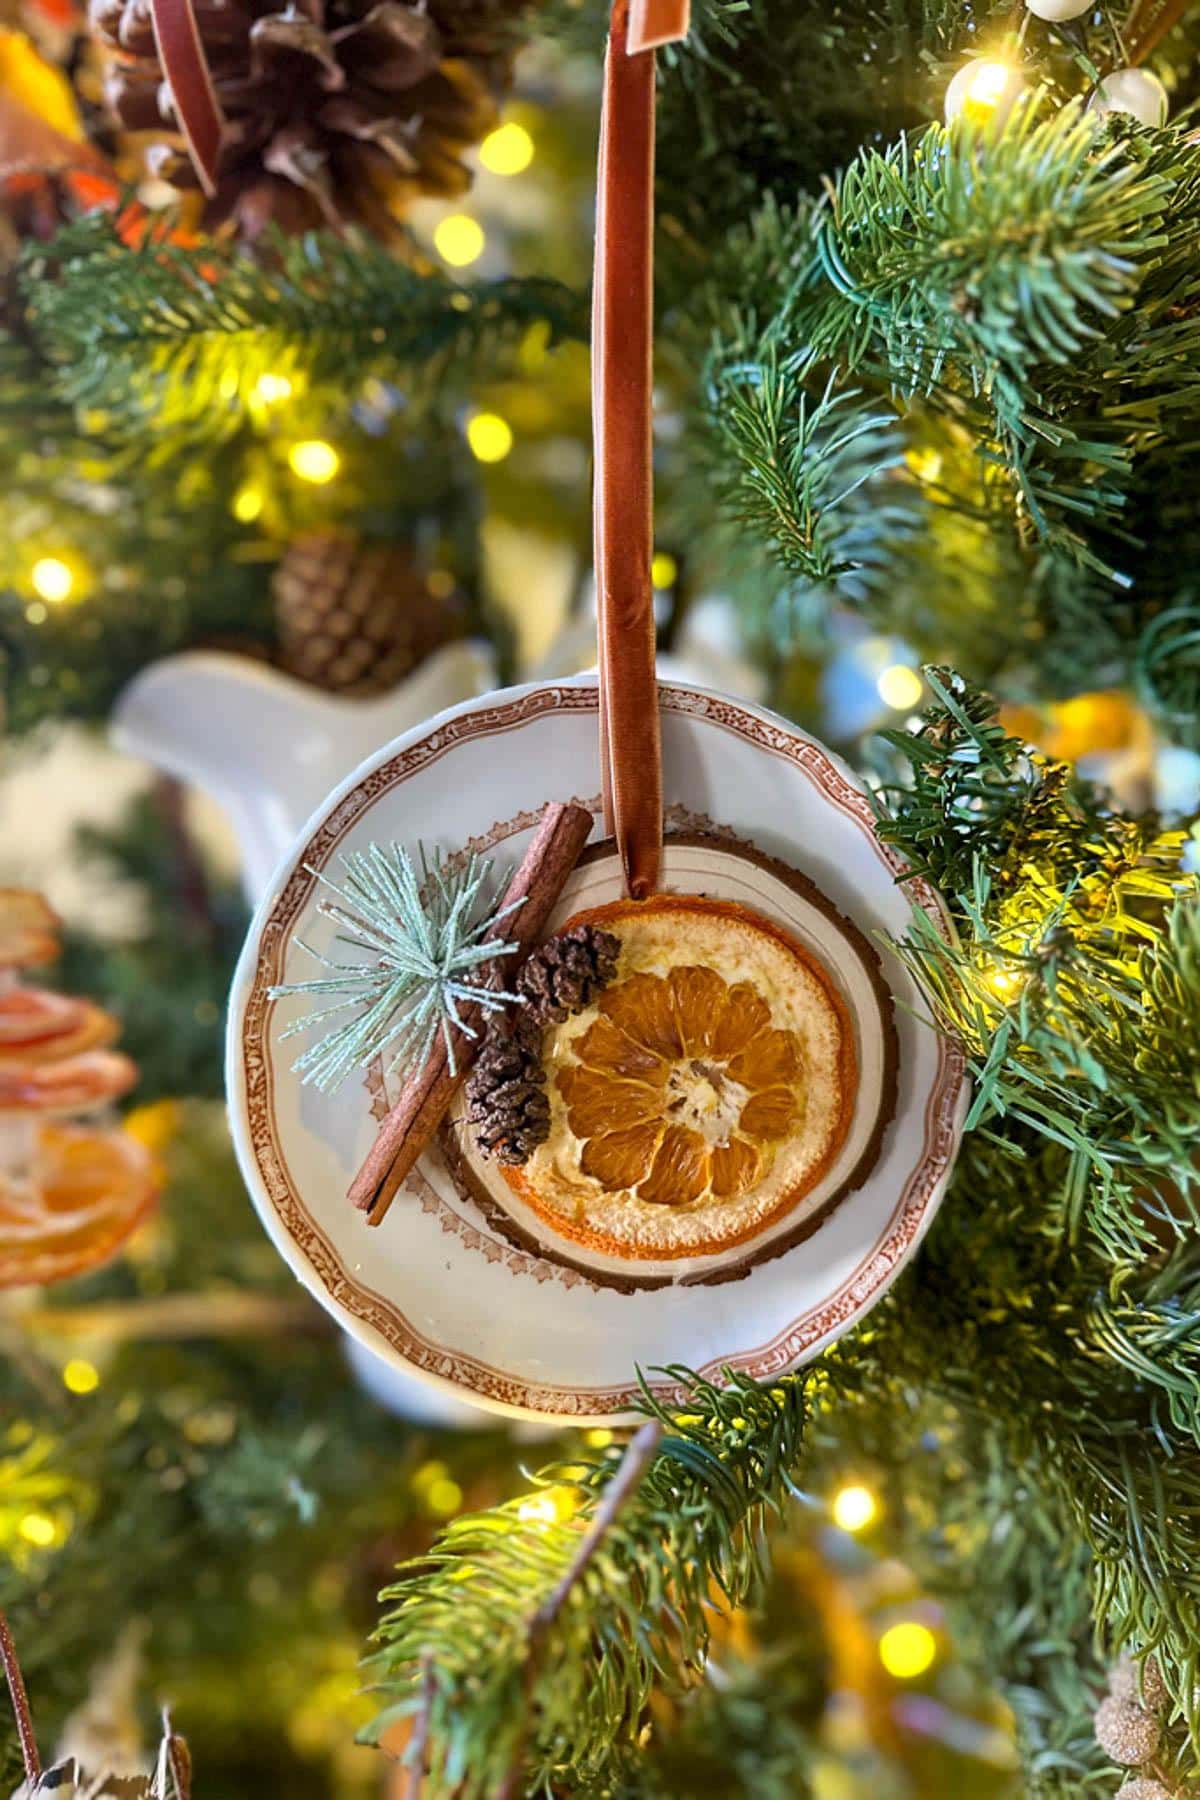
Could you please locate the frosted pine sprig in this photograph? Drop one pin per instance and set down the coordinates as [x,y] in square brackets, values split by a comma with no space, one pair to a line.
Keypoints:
[419,943]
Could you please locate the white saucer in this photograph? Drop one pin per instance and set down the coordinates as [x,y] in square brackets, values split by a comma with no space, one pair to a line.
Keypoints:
[488,1309]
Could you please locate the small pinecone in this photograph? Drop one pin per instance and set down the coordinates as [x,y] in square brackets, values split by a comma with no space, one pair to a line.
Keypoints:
[567,972]
[356,618]
[506,1094]
[1126,1731]
[336,115]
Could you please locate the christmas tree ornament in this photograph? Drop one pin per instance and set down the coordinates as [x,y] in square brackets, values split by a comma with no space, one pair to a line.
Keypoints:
[304,119]
[984,93]
[1143,1787]
[1133,91]
[1141,1682]
[355,617]
[1057,12]
[710,1124]
[70,1194]
[1126,1731]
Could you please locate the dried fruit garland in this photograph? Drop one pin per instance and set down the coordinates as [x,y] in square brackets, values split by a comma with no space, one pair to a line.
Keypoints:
[70,1194]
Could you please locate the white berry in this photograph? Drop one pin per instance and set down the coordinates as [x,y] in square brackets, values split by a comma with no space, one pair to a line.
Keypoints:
[1058,11]
[1133,91]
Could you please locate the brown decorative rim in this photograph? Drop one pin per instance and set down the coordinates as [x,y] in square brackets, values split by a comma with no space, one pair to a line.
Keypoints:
[457,1367]
[706,833]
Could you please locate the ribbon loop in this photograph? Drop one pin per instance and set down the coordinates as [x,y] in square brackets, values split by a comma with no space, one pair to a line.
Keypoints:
[622,395]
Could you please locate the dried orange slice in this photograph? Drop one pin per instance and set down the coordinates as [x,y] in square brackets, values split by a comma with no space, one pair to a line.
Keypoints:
[38,1026]
[86,1193]
[28,929]
[74,1085]
[703,1095]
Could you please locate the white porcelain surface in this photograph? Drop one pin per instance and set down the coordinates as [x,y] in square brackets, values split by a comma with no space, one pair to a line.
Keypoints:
[435,1288]
[269,748]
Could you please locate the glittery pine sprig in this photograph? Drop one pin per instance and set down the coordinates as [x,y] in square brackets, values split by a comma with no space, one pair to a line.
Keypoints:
[421,941]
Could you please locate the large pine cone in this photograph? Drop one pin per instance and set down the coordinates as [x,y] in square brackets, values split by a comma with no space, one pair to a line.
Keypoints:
[356,617]
[506,1094]
[339,113]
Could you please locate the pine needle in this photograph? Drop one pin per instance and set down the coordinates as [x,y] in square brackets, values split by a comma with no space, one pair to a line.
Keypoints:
[421,953]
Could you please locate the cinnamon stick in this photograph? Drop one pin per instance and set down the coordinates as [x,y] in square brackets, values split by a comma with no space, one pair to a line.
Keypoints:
[425,1099]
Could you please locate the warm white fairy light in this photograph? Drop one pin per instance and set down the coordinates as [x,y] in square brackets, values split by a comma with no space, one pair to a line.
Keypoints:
[854,1507]
[983,92]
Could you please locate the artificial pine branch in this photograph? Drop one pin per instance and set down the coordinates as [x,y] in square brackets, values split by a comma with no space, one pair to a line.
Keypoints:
[170,343]
[1025,312]
[1046,1340]
[421,944]
[547,1637]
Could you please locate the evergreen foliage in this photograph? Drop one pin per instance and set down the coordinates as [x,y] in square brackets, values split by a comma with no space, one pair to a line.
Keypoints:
[1046,1335]
[947,380]
[170,342]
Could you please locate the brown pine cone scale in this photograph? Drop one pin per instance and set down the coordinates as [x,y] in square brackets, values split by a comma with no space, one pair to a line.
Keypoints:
[506,1095]
[567,973]
[337,112]
[356,617]
[507,1101]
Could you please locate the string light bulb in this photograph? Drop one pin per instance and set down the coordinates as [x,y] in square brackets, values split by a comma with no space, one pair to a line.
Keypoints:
[53,579]
[983,92]
[80,1376]
[459,240]
[1004,982]
[314,460]
[549,1506]
[854,1507]
[489,436]
[663,570]
[38,1529]
[899,687]
[269,388]
[507,150]
[248,502]
[907,1650]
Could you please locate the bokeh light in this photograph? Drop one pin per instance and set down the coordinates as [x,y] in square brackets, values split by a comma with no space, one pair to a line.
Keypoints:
[900,687]
[489,436]
[459,240]
[314,460]
[80,1376]
[269,388]
[53,579]
[906,1650]
[507,150]
[854,1506]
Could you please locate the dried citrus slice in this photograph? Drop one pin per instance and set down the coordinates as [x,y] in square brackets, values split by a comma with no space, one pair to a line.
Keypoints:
[86,1193]
[707,1090]
[37,1026]
[74,1085]
[28,929]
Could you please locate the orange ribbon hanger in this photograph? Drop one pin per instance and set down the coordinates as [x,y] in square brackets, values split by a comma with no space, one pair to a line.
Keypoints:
[622,402]
[185,66]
